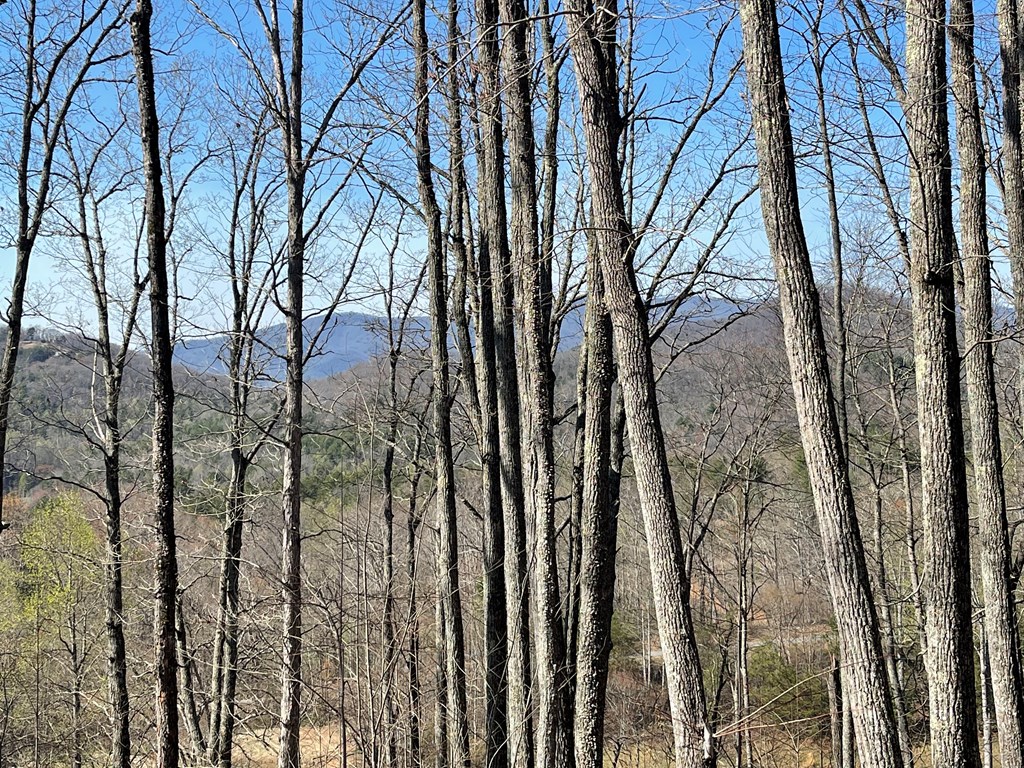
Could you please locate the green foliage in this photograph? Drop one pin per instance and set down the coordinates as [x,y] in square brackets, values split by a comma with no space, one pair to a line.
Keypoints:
[59,553]
[626,640]
[789,695]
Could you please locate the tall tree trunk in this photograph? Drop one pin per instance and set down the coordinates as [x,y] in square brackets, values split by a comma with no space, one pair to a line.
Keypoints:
[950,653]
[480,377]
[1012,58]
[113,371]
[494,268]
[291,124]
[1001,633]
[534,304]
[865,684]
[166,575]
[598,533]
[450,630]
[593,51]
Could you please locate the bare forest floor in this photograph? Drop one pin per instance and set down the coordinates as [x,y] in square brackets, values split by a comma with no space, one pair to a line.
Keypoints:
[320,750]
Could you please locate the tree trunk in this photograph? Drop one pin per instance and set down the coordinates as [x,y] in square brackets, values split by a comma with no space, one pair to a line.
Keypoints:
[534,304]
[1000,616]
[450,631]
[225,671]
[598,534]
[479,374]
[186,667]
[593,50]
[865,684]
[163,397]
[950,654]
[290,107]
[496,295]
[1012,59]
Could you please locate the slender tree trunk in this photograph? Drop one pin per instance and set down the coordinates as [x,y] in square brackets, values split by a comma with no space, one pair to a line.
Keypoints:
[15,312]
[593,51]
[985,678]
[450,630]
[225,668]
[598,533]
[481,382]
[291,102]
[865,684]
[163,397]
[413,654]
[835,706]
[1001,633]
[534,304]
[117,665]
[950,654]
[496,295]
[1012,59]
[187,685]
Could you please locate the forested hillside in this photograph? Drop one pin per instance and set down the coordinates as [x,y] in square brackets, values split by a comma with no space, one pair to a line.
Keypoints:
[505,384]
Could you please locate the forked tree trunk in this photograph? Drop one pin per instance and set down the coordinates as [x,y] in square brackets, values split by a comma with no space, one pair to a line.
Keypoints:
[593,54]
[496,296]
[533,294]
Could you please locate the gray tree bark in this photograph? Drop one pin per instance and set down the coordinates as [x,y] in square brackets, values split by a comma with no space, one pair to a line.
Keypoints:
[591,32]
[452,661]
[533,300]
[166,570]
[1000,617]
[496,294]
[597,533]
[865,684]
[950,652]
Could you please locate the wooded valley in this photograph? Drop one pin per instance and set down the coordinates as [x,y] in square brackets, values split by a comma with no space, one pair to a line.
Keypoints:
[511,384]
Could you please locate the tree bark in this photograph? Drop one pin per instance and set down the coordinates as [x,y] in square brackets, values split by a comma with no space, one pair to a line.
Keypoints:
[533,294]
[865,685]
[1001,633]
[496,296]
[166,589]
[950,654]
[593,51]
[598,534]
[289,108]
[450,631]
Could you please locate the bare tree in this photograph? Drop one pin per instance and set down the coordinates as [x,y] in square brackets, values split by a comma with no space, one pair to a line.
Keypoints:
[452,661]
[55,50]
[164,630]
[591,39]
[875,726]
[1001,633]
[950,654]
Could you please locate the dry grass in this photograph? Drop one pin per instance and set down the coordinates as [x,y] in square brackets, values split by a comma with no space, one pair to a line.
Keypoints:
[319,745]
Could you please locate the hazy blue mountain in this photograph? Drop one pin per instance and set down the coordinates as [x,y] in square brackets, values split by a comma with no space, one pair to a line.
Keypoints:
[348,339]
[352,338]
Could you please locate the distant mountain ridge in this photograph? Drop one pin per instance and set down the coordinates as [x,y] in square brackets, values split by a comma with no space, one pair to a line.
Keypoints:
[352,338]
[348,339]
